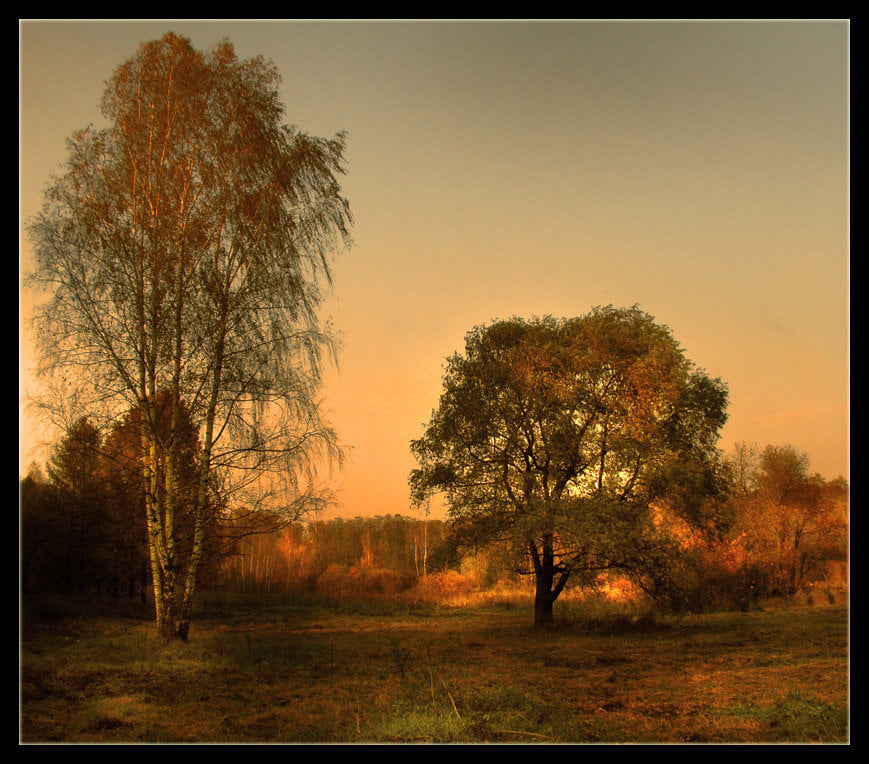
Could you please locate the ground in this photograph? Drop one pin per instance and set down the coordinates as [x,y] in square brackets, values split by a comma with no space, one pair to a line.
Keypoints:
[317,671]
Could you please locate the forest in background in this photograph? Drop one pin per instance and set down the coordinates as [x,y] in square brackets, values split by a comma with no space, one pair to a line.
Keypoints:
[82,531]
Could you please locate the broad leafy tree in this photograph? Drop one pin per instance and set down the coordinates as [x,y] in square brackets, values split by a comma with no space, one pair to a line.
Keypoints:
[574,440]
[184,249]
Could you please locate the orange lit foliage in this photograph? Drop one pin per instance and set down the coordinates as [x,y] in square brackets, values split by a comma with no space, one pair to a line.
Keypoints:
[788,526]
[378,556]
[794,540]
[396,556]
[446,586]
[360,580]
[787,534]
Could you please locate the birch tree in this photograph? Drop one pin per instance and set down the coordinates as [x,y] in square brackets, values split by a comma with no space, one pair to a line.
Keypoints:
[183,251]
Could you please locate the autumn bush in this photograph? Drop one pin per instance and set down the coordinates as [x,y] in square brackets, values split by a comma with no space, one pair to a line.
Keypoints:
[345,581]
[821,593]
[719,588]
[445,586]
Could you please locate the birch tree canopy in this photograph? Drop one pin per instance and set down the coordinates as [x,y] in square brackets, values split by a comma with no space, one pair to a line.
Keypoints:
[183,252]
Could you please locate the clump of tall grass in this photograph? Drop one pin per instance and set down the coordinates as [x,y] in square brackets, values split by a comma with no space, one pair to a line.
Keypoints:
[431,704]
[600,614]
[796,718]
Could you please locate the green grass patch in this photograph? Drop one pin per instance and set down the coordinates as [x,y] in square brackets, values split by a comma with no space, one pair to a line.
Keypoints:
[796,718]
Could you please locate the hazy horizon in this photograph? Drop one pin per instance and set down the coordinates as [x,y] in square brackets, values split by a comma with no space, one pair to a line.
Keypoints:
[699,170]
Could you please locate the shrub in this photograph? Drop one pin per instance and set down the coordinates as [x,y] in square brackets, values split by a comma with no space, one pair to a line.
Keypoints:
[360,581]
[446,585]
[719,588]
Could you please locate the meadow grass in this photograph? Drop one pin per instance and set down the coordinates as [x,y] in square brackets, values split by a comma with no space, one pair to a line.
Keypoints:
[273,669]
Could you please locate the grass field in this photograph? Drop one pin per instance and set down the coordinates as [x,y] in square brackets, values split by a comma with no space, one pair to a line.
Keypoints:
[260,670]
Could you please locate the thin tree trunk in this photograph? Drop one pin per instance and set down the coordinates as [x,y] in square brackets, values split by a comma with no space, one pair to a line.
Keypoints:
[197,551]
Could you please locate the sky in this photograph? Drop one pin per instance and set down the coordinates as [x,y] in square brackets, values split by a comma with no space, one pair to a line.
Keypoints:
[699,170]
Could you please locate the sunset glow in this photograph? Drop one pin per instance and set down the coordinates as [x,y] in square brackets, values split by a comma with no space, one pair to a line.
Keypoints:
[699,170]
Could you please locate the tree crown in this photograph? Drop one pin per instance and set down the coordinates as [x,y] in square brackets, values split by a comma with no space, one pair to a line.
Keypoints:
[574,427]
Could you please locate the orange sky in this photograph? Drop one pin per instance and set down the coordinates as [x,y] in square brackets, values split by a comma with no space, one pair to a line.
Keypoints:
[699,170]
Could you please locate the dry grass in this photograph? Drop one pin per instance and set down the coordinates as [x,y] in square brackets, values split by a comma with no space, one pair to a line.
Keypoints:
[387,672]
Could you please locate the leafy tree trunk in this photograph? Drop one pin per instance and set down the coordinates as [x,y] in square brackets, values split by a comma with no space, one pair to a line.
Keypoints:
[543,600]
[549,581]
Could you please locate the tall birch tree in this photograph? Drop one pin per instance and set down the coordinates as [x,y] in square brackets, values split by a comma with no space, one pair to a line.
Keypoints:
[183,252]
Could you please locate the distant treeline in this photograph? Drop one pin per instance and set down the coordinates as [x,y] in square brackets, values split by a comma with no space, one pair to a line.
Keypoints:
[82,530]
[382,554]
[90,538]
